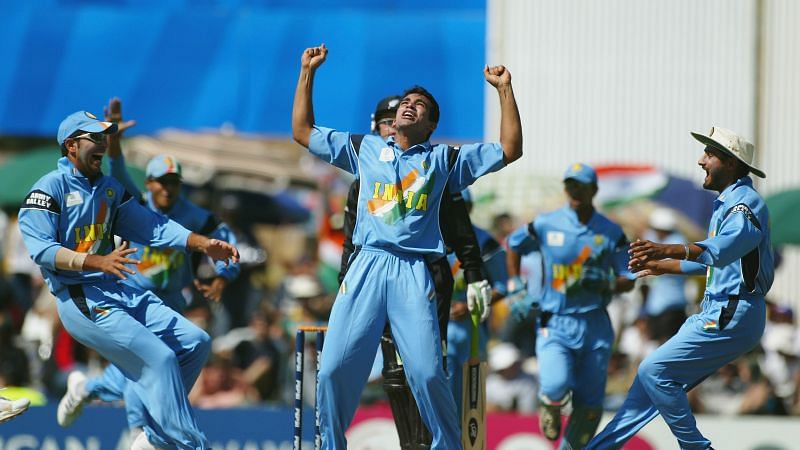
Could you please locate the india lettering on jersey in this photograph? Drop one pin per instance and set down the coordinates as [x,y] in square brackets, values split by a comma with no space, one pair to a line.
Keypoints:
[95,239]
[391,202]
[566,276]
[158,263]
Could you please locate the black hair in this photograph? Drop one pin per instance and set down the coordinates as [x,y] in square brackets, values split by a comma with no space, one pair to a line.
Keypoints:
[434,112]
[742,170]
[71,136]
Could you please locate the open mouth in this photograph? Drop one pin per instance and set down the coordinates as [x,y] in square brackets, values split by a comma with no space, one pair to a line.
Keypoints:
[408,114]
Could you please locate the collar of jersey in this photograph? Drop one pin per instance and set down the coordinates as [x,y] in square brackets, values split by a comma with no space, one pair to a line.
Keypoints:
[573,217]
[744,181]
[422,146]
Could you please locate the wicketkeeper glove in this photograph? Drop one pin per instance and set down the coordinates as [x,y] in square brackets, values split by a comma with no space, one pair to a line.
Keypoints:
[479,298]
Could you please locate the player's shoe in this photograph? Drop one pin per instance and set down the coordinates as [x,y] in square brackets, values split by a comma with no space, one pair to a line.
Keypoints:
[550,421]
[142,443]
[71,404]
[12,408]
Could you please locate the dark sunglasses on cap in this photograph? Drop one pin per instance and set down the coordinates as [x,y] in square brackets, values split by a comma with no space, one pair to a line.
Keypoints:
[97,138]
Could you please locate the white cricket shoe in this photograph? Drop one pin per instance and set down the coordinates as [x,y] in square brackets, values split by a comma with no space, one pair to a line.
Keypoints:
[12,408]
[71,404]
[142,443]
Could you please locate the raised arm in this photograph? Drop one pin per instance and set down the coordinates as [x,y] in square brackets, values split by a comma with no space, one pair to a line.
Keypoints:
[303,109]
[113,113]
[510,124]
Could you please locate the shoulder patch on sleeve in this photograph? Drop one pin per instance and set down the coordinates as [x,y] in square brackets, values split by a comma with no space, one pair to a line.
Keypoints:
[38,199]
[744,209]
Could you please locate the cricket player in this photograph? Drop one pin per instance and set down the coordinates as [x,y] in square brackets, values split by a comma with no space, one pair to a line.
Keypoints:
[397,229]
[738,262]
[459,330]
[164,271]
[459,236]
[68,221]
[586,261]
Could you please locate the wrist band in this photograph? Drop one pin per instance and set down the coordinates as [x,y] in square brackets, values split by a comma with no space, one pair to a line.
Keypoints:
[686,256]
[71,260]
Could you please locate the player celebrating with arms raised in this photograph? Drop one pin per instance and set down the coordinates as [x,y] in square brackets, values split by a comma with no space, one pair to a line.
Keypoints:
[402,181]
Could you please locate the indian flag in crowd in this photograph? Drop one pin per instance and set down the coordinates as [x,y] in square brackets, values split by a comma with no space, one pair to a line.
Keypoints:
[620,185]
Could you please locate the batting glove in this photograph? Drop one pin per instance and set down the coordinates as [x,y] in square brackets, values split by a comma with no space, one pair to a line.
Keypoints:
[479,297]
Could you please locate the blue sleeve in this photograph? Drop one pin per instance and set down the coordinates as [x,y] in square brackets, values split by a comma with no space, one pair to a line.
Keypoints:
[739,234]
[620,259]
[693,268]
[38,223]
[495,266]
[136,223]
[524,240]
[120,172]
[334,147]
[473,161]
[231,271]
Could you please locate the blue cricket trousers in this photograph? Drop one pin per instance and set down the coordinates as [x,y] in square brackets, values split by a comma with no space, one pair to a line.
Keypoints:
[113,384]
[159,350]
[720,333]
[380,285]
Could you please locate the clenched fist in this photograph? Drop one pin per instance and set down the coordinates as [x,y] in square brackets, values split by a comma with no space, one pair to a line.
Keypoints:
[497,75]
[314,57]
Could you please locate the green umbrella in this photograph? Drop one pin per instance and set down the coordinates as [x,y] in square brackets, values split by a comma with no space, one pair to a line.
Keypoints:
[784,215]
[19,172]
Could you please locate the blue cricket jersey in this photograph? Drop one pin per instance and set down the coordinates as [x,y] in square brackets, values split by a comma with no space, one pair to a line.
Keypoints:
[737,254]
[567,246]
[166,271]
[65,209]
[400,191]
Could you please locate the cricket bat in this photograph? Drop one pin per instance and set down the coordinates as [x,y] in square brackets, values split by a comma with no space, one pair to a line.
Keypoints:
[473,396]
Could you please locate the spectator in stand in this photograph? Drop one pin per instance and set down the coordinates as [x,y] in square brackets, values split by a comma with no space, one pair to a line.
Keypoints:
[508,388]
[781,359]
[220,385]
[502,226]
